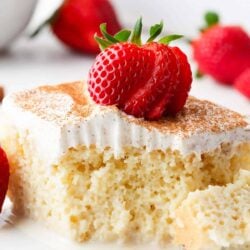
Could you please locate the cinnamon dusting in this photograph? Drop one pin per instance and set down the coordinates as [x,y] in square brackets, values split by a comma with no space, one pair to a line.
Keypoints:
[68,103]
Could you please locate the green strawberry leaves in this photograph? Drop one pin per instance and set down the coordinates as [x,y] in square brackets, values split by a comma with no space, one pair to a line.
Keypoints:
[211,18]
[198,74]
[123,35]
[103,28]
[103,44]
[167,39]
[134,36]
[155,31]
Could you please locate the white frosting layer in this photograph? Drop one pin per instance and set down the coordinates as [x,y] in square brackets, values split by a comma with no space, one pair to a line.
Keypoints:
[106,128]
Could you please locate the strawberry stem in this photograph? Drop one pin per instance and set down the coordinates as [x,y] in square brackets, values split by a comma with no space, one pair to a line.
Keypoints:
[103,44]
[136,35]
[155,31]
[211,18]
[103,28]
[198,74]
[45,23]
[124,35]
[167,39]
[40,28]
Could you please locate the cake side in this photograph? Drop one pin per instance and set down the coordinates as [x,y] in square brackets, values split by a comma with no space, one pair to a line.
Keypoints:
[91,194]
[216,217]
[65,112]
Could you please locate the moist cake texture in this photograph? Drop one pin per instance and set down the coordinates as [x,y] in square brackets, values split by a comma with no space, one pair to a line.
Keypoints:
[216,217]
[93,172]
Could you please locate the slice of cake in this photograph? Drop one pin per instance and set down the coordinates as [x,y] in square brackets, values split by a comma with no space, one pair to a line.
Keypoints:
[94,172]
[216,217]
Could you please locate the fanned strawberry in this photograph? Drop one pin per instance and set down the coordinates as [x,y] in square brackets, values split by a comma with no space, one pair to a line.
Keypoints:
[164,81]
[4,176]
[183,87]
[141,80]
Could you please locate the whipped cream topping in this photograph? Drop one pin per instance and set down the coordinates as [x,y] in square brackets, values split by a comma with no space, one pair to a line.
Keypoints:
[56,118]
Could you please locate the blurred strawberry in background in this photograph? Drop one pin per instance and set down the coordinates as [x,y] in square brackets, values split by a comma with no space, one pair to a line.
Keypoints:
[76,21]
[242,83]
[221,51]
[4,176]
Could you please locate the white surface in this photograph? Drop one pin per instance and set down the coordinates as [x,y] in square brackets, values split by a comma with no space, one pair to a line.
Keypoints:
[13,19]
[182,16]
[39,61]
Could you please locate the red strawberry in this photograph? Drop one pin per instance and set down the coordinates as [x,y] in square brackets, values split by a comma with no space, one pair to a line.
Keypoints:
[4,176]
[222,51]
[141,80]
[185,80]
[164,79]
[76,22]
[242,83]
[107,85]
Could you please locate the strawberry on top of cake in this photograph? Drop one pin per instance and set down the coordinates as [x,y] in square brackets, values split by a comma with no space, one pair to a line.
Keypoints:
[144,80]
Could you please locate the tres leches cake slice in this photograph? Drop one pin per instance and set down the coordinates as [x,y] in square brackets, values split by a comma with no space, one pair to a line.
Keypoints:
[92,171]
[115,158]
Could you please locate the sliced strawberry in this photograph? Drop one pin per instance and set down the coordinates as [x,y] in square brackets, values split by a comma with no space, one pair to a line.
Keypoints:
[4,176]
[139,79]
[183,87]
[166,83]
